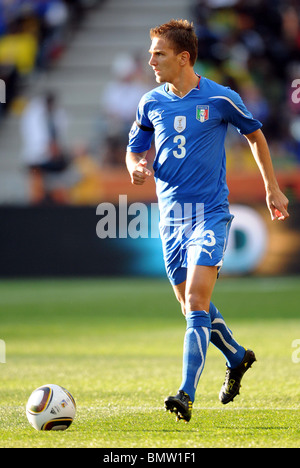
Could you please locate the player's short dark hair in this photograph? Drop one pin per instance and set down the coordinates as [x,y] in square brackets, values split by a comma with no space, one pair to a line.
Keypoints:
[181,34]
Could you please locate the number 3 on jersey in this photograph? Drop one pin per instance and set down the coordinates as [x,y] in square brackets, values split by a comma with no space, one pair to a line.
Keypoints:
[180,141]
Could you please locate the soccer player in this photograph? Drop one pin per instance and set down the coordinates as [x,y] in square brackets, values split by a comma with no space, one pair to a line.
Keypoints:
[188,116]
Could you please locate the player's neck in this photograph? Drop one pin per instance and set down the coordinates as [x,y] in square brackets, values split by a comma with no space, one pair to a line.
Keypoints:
[182,85]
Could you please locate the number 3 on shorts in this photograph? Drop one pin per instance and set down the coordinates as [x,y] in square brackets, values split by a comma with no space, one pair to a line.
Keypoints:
[209,238]
[180,141]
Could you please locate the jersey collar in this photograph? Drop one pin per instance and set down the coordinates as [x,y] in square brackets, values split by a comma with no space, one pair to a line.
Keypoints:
[167,86]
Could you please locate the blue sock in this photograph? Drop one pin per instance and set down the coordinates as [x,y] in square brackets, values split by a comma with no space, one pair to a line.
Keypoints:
[222,338]
[196,342]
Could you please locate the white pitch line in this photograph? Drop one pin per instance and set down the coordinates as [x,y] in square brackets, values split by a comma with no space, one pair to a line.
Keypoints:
[132,409]
[160,408]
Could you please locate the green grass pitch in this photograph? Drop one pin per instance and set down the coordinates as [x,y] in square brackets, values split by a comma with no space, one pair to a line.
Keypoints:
[116,345]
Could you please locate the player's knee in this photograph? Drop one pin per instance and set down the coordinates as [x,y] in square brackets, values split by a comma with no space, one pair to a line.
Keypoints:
[196,301]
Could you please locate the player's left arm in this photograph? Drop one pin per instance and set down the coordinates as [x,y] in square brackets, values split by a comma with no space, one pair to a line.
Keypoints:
[277,202]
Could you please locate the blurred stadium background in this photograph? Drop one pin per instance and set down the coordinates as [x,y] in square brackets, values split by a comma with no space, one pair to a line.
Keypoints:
[86,61]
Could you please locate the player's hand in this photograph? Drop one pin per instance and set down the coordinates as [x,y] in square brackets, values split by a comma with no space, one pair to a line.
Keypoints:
[277,203]
[140,173]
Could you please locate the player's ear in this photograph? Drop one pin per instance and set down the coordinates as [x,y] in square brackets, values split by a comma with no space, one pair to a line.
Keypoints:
[184,58]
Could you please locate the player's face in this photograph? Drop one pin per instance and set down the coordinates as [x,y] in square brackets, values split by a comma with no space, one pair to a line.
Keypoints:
[164,61]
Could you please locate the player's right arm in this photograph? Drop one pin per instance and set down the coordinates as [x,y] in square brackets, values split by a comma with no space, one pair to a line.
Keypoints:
[137,167]
[140,138]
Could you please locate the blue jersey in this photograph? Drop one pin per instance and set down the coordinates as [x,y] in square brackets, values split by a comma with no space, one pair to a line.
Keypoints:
[189,133]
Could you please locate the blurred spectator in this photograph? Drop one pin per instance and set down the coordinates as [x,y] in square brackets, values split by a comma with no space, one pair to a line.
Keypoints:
[54,18]
[118,103]
[35,32]
[19,46]
[45,153]
[88,189]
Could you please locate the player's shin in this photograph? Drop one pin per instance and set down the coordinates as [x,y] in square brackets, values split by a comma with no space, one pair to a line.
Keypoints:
[223,339]
[196,342]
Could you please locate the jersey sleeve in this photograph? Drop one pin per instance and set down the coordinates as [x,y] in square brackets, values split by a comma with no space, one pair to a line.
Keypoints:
[234,111]
[141,133]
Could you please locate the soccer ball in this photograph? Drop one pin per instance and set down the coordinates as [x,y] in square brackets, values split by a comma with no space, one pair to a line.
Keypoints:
[50,408]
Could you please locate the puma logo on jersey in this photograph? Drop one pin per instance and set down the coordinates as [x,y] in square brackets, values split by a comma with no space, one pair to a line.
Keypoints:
[208,253]
[153,114]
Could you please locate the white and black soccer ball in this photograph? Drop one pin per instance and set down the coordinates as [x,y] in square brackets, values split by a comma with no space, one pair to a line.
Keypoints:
[51,408]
